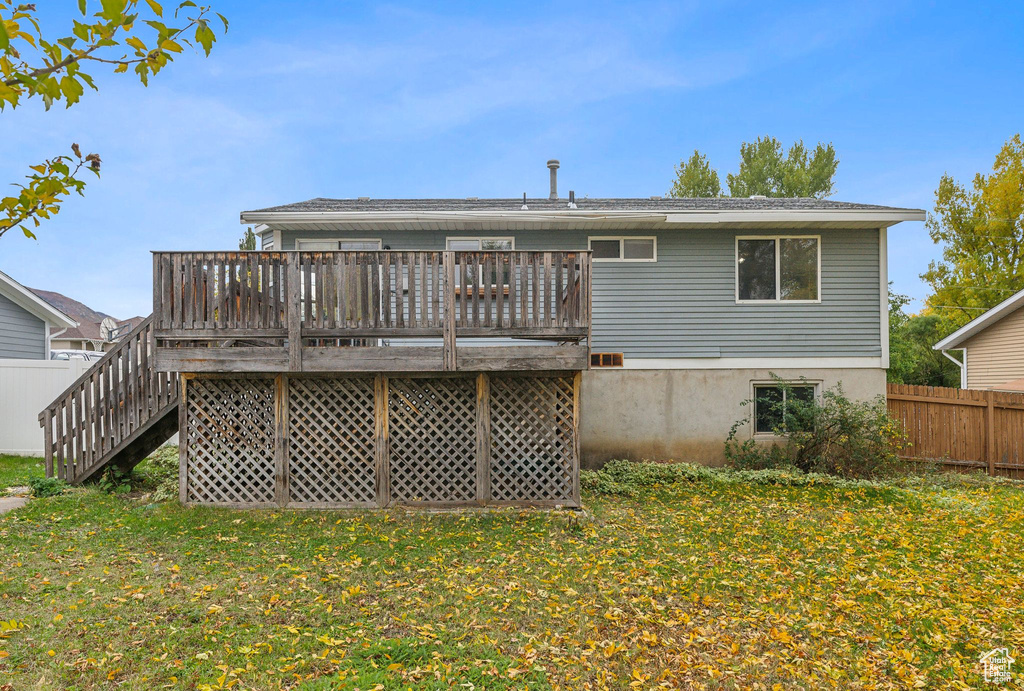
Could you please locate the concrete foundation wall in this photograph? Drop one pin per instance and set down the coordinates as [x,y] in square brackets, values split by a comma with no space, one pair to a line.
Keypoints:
[684,414]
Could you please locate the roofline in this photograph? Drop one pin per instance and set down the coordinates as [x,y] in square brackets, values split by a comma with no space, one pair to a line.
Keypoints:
[980,323]
[682,217]
[29,301]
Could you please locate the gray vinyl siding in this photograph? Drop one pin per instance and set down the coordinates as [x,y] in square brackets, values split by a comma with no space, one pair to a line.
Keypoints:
[22,334]
[684,306]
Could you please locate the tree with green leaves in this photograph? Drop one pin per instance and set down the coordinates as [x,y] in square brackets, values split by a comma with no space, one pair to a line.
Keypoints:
[981,230]
[765,169]
[696,178]
[124,34]
[248,241]
[912,360]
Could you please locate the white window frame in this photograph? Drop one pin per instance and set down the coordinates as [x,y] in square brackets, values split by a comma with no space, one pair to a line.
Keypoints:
[339,240]
[778,270]
[479,241]
[754,434]
[621,238]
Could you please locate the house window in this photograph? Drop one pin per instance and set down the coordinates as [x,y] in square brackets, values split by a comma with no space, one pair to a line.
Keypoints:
[770,402]
[330,245]
[774,269]
[482,245]
[624,249]
[606,359]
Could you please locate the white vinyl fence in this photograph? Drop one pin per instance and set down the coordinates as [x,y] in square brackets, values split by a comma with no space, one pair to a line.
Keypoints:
[26,387]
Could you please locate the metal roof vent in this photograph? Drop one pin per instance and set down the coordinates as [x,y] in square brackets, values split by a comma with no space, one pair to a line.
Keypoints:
[553,167]
[364,199]
[758,196]
[572,199]
[524,207]
[472,199]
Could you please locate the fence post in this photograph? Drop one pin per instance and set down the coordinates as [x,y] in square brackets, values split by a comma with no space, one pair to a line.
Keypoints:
[282,491]
[990,430]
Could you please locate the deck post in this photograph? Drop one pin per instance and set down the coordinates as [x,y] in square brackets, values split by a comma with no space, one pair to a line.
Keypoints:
[182,440]
[483,438]
[577,380]
[281,442]
[48,440]
[450,363]
[293,312]
[380,425]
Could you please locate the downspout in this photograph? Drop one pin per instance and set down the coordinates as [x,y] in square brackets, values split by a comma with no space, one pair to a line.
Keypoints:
[961,365]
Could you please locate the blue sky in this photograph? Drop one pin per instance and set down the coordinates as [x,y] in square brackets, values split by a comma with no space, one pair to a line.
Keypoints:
[323,98]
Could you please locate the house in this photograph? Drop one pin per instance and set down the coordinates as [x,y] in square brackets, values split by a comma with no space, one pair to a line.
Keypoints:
[992,347]
[96,331]
[696,302]
[479,351]
[27,323]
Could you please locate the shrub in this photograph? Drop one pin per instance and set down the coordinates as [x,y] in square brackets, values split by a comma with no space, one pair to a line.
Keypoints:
[47,486]
[631,479]
[163,466]
[834,436]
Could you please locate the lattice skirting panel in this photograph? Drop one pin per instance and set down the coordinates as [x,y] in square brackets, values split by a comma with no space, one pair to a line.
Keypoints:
[372,441]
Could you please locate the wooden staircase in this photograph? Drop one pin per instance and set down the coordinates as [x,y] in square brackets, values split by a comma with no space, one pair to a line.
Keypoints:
[117,413]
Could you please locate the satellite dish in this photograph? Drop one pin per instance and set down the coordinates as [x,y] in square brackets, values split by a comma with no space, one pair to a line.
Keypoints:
[108,328]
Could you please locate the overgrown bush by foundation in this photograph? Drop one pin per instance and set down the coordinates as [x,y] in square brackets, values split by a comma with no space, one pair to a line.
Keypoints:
[833,435]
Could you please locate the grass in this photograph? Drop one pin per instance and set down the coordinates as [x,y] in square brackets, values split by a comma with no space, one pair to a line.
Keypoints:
[701,584]
[15,471]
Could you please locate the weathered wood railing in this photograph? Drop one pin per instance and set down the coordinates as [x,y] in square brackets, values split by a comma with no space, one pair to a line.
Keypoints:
[218,298]
[107,407]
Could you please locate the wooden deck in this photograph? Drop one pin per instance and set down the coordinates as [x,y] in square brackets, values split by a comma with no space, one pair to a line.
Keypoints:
[385,311]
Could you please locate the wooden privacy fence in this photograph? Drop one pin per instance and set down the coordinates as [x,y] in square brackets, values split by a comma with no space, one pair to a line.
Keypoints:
[962,428]
[113,404]
[371,441]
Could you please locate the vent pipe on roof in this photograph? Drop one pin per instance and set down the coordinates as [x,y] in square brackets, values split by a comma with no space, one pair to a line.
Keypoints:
[553,167]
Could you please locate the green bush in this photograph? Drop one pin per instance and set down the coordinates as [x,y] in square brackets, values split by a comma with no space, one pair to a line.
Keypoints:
[631,479]
[163,467]
[833,436]
[46,486]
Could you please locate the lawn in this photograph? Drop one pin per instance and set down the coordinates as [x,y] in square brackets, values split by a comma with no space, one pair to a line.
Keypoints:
[15,471]
[703,585]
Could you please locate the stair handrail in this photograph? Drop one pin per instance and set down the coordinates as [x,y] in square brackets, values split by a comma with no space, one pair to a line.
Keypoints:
[86,441]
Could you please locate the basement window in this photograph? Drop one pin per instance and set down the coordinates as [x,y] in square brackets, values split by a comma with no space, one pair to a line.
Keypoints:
[624,249]
[770,401]
[778,269]
[606,359]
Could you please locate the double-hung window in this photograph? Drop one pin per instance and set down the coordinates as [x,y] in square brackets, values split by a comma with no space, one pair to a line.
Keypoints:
[771,400]
[778,269]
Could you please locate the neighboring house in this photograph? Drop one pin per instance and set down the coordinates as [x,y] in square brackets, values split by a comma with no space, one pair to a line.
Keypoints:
[27,323]
[992,347]
[96,331]
[697,303]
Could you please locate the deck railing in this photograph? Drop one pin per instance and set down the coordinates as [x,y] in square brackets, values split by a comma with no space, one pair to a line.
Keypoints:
[205,296]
